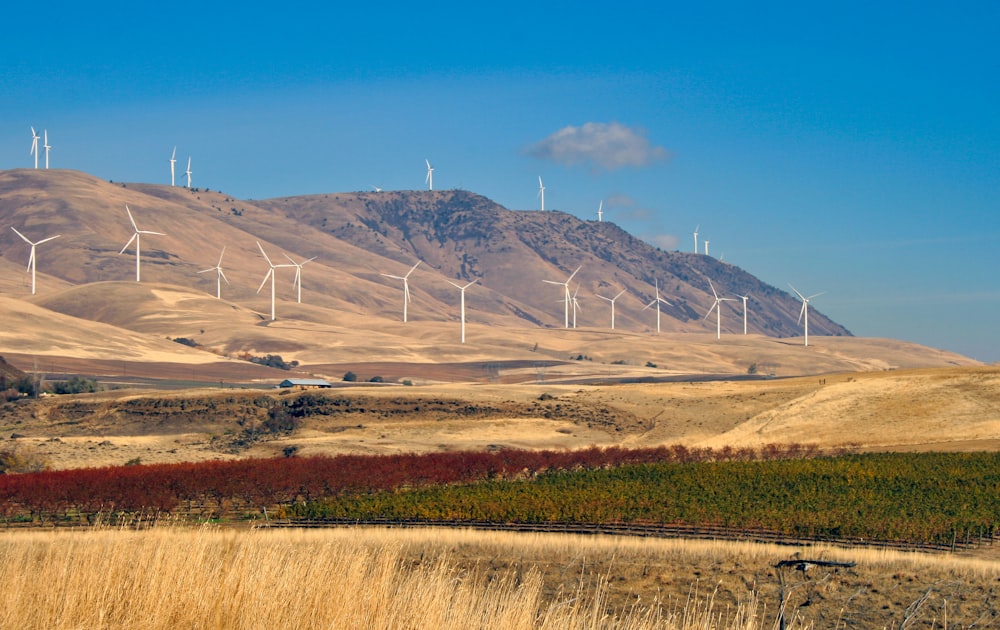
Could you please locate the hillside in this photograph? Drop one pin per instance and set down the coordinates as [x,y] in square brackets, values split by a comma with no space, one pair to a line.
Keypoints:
[357,237]
[89,307]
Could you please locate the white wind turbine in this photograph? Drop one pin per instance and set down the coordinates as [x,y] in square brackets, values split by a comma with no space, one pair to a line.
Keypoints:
[706,247]
[657,302]
[600,212]
[804,313]
[744,298]
[173,161]
[406,286]
[32,260]
[717,307]
[34,146]
[576,306]
[612,300]
[568,298]
[298,273]
[696,238]
[47,147]
[270,274]
[220,276]
[462,289]
[541,192]
[188,172]
[376,188]
[136,236]
[429,180]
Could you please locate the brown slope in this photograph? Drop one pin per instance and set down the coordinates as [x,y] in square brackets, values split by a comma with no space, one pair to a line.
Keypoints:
[468,237]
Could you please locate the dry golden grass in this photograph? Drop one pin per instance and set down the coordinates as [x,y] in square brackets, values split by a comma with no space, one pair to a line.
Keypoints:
[377,578]
[170,578]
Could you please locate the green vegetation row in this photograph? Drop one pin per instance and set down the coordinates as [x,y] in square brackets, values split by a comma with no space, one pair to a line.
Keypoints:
[915,497]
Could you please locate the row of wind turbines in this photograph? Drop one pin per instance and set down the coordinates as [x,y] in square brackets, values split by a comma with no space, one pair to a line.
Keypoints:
[34,146]
[570,298]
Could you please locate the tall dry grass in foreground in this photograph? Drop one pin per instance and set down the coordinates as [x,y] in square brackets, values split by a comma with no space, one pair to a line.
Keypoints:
[209,578]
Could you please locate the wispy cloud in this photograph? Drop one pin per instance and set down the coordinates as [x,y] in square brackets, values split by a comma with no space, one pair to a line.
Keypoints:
[608,145]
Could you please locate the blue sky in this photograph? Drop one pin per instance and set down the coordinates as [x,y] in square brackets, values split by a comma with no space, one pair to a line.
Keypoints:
[850,148]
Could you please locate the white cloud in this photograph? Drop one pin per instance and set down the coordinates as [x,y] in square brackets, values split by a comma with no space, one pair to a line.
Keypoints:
[608,145]
[667,242]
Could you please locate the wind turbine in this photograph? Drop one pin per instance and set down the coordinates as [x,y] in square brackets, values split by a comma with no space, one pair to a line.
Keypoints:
[32,260]
[376,189]
[706,247]
[696,238]
[219,275]
[298,273]
[462,289]
[568,298]
[136,237]
[429,180]
[406,286]
[804,313]
[188,172]
[270,274]
[600,212]
[657,302]
[47,147]
[744,298]
[717,306]
[173,161]
[612,300]
[34,146]
[541,192]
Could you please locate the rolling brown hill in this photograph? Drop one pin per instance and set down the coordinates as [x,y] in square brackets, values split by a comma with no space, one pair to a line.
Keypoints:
[88,305]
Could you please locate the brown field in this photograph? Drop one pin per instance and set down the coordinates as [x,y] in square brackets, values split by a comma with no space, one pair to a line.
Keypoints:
[924,409]
[375,578]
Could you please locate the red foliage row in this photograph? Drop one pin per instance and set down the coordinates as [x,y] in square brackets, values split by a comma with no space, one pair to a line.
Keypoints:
[268,482]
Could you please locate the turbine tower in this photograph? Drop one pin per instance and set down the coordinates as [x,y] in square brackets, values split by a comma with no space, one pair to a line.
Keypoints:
[406,286]
[612,300]
[34,146]
[744,298]
[541,192]
[600,212]
[136,236]
[219,275]
[696,238]
[706,247]
[173,161]
[188,172]
[429,180]
[270,274]
[657,302]
[804,313]
[47,147]
[298,273]
[568,298]
[717,306]
[462,289]
[32,260]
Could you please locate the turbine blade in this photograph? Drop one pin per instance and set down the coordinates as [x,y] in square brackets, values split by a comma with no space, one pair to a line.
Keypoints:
[802,297]
[389,275]
[713,290]
[31,259]
[219,264]
[134,236]
[46,240]
[802,311]
[265,256]
[620,293]
[412,268]
[207,270]
[134,226]
[223,275]
[23,237]
[573,274]
[554,282]
[264,281]
[815,295]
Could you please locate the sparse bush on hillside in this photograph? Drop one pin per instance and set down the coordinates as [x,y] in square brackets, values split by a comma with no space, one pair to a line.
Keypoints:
[76,385]
[376,379]
[650,364]
[271,360]
[350,377]
[184,341]
[752,369]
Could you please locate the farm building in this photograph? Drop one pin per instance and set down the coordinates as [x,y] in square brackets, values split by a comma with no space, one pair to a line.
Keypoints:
[304,383]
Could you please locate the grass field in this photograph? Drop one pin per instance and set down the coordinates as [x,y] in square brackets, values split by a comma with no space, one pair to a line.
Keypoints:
[376,578]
